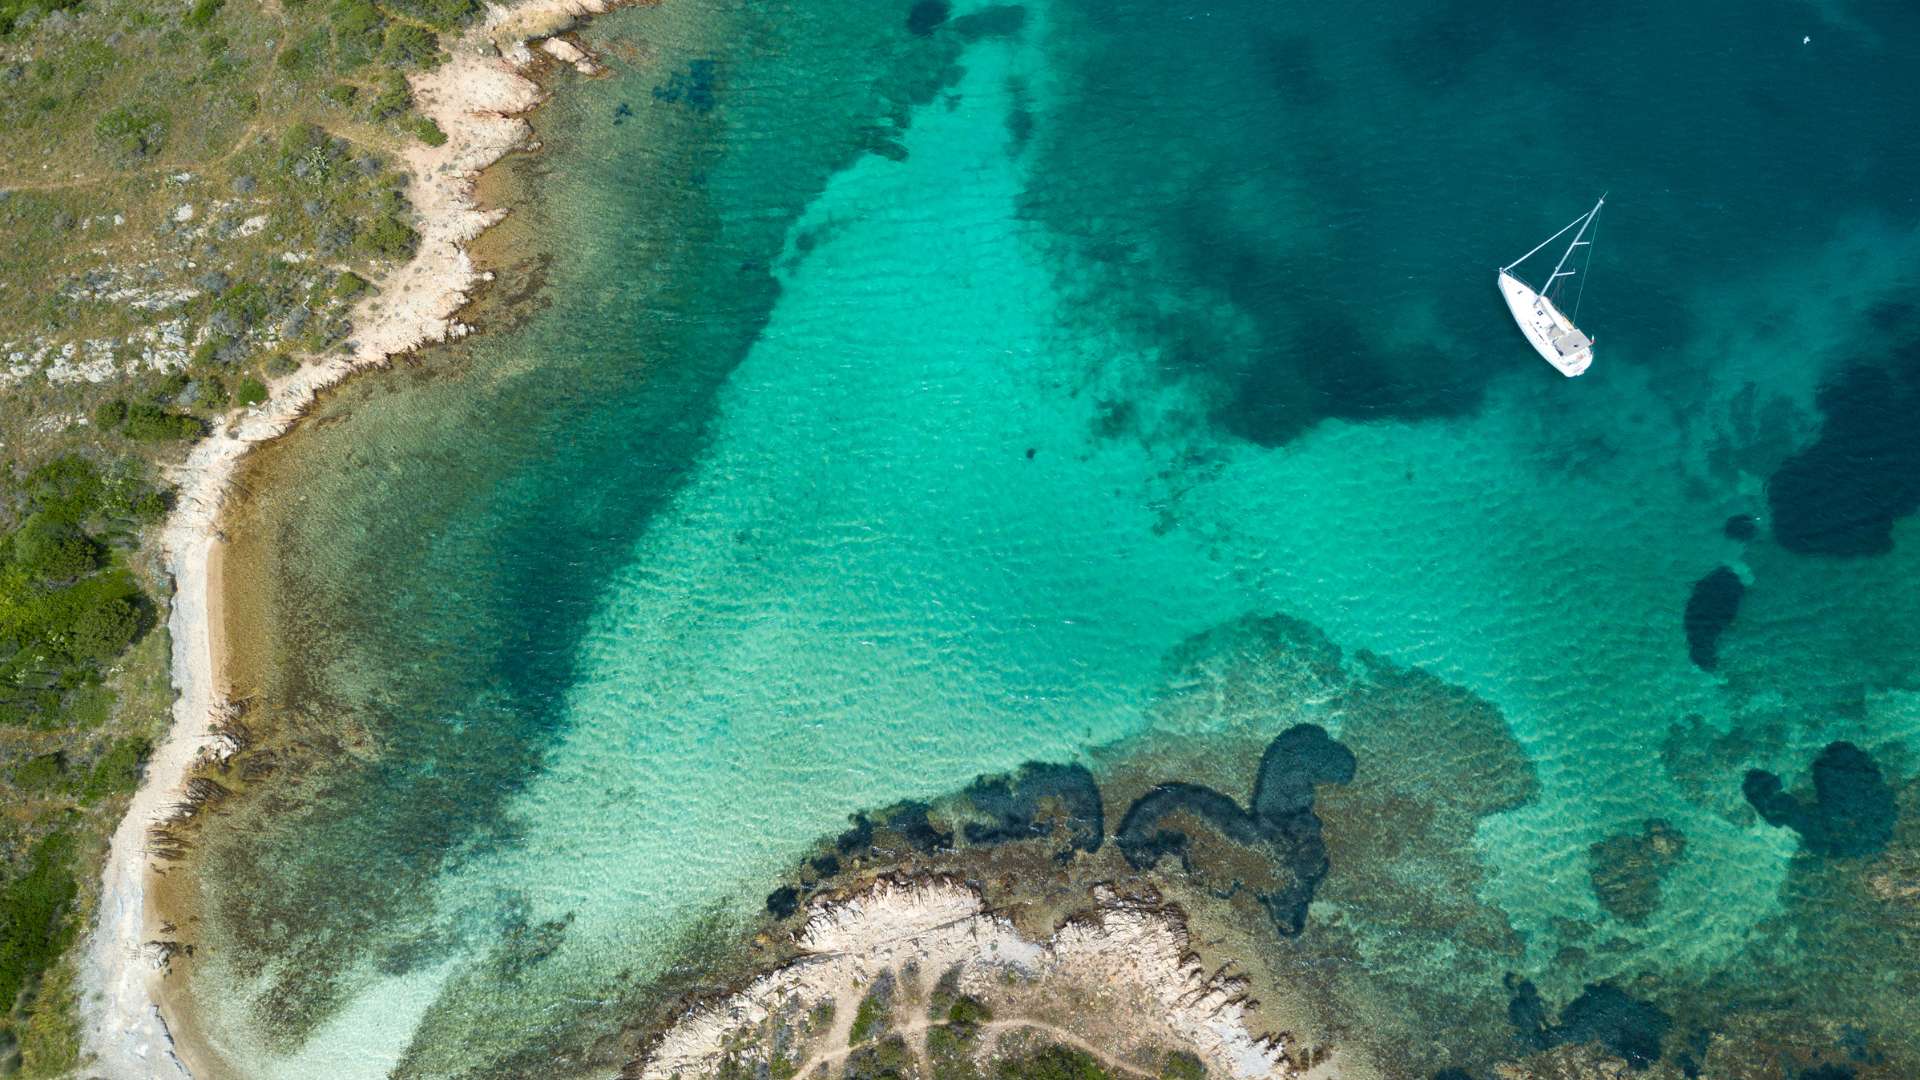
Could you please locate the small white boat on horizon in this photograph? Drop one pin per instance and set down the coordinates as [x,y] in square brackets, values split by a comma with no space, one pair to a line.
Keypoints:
[1551,331]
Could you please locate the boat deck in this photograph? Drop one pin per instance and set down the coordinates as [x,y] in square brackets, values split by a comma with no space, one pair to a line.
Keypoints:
[1551,333]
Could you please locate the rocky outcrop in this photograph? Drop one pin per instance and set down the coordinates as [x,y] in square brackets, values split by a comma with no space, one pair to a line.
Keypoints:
[1126,967]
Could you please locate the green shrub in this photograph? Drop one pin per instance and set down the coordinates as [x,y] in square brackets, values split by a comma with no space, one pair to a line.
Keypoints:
[151,423]
[12,10]
[951,1054]
[134,130]
[874,1014]
[1181,1065]
[250,391]
[33,908]
[280,364]
[395,97]
[116,772]
[110,415]
[408,45]
[1052,1063]
[148,507]
[349,285]
[342,93]
[389,237]
[969,1012]
[203,12]
[213,393]
[52,550]
[103,631]
[172,385]
[40,775]
[888,1059]
[68,488]
[304,142]
[427,131]
[445,14]
[357,18]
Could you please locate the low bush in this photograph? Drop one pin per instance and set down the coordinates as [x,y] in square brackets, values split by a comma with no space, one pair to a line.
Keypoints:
[54,551]
[969,1013]
[1052,1063]
[101,631]
[1181,1065]
[14,12]
[40,775]
[110,415]
[151,423]
[249,391]
[349,285]
[445,14]
[427,131]
[202,12]
[136,131]
[407,45]
[875,1013]
[117,771]
[395,97]
[34,928]
[389,237]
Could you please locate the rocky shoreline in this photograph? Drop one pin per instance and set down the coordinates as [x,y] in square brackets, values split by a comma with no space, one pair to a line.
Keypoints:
[1120,977]
[479,98]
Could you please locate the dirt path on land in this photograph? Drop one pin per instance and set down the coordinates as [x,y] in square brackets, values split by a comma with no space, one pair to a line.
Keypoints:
[917,1032]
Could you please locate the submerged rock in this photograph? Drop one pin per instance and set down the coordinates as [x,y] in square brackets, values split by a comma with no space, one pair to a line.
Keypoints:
[1627,869]
[1853,807]
[1281,824]
[1603,1014]
[907,820]
[926,16]
[1841,495]
[996,20]
[1711,608]
[1036,801]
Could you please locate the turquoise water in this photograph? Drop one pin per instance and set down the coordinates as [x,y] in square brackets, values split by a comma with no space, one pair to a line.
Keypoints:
[907,402]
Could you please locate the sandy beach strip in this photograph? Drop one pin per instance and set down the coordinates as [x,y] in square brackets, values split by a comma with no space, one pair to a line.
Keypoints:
[479,97]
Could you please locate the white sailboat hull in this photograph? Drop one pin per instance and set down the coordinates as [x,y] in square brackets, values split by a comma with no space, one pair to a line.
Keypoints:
[1550,332]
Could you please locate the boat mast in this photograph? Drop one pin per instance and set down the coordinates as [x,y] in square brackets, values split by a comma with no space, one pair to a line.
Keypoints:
[1584,222]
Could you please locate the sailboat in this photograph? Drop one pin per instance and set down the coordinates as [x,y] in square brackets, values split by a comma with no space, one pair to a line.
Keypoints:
[1551,332]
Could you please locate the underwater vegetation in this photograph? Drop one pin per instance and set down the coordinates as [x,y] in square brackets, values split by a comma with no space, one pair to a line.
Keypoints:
[1627,869]
[1711,607]
[1368,814]
[1842,494]
[1852,811]
[927,15]
[1602,1014]
[1281,820]
[1032,801]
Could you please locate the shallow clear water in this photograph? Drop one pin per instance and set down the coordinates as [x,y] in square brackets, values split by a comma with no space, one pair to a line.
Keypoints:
[904,404]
